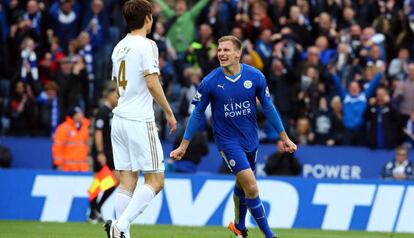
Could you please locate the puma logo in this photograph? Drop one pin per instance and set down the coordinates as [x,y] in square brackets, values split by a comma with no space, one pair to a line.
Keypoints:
[220,86]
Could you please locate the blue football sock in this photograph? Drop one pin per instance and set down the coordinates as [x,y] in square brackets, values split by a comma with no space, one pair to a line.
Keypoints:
[257,210]
[240,208]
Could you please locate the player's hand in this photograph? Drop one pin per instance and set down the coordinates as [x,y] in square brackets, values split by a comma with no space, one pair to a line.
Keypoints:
[289,146]
[178,153]
[101,159]
[172,123]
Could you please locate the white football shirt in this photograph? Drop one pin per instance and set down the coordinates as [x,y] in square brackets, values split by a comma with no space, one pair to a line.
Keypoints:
[133,58]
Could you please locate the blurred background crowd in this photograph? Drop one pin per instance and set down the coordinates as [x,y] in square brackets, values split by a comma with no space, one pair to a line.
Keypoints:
[340,71]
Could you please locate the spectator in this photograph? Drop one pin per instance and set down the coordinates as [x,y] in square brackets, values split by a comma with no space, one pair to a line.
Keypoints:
[258,22]
[303,133]
[382,121]
[86,52]
[263,46]
[251,57]
[22,112]
[400,168]
[354,38]
[343,61]
[164,45]
[203,52]
[399,66]
[324,28]
[70,78]
[242,18]
[70,147]
[96,24]
[65,21]
[326,54]
[237,32]
[383,25]
[409,131]
[354,104]
[50,62]
[311,89]
[193,77]
[168,75]
[337,120]
[323,124]
[29,61]
[404,94]
[220,17]
[365,13]
[348,18]
[180,24]
[48,109]
[376,58]
[282,163]
[282,89]
[296,22]
[312,60]
[286,48]
[405,37]
[278,12]
[37,21]
[19,32]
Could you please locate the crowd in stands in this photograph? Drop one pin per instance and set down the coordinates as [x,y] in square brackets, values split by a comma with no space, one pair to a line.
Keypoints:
[340,71]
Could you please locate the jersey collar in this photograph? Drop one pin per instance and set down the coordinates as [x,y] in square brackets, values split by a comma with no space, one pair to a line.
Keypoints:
[234,78]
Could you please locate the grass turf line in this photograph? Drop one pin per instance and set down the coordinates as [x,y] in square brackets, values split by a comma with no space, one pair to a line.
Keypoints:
[24,229]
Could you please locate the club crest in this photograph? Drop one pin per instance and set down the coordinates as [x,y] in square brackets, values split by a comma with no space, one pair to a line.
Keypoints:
[247,84]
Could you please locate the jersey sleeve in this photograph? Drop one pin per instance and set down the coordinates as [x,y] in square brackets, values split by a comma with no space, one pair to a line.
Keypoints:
[100,120]
[262,91]
[201,99]
[150,59]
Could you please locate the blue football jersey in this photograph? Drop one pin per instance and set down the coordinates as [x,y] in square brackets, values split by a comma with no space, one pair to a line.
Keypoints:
[233,105]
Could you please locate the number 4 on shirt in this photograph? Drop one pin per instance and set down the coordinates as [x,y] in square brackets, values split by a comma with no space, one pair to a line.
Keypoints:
[120,81]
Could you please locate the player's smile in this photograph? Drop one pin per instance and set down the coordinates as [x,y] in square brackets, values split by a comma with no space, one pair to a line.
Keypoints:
[223,59]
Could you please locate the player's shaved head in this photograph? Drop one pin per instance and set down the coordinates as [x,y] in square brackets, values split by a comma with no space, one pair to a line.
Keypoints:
[135,13]
[236,41]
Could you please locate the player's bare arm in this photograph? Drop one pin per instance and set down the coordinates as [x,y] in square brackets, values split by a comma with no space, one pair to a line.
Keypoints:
[154,86]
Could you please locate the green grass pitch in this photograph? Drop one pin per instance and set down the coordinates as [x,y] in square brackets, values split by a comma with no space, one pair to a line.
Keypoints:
[19,229]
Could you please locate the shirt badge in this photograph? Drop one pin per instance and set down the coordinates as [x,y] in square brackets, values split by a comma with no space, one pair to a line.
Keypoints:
[197,97]
[247,84]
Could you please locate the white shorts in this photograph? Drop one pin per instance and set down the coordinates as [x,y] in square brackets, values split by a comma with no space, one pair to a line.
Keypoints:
[136,146]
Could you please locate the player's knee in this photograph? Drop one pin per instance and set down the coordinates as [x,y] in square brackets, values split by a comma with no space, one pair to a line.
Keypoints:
[251,190]
[127,185]
[157,185]
[128,182]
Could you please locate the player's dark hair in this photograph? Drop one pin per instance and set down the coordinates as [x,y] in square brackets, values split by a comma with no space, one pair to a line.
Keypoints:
[135,12]
[236,41]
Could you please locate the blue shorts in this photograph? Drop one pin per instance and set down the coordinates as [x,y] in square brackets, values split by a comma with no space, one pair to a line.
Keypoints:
[237,159]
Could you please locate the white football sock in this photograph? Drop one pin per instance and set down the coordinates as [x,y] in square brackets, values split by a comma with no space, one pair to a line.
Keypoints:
[141,198]
[122,199]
